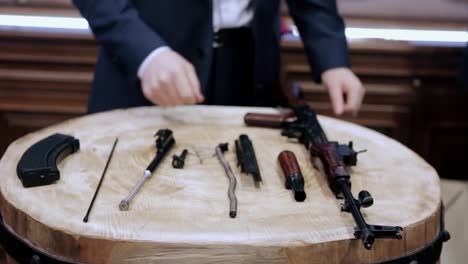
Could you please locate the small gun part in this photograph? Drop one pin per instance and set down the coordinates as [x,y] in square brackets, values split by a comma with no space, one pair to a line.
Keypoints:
[246,158]
[85,219]
[220,149]
[164,143]
[293,174]
[178,162]
[38,165]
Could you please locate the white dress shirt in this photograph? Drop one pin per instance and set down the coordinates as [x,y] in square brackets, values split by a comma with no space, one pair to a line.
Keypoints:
[231,13]
[226,14]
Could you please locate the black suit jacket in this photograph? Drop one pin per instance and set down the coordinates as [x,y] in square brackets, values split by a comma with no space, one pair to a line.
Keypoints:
[129,30]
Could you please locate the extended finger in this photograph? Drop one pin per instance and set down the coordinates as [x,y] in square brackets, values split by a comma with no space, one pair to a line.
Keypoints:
[161,97]
[147,90]
[194,84]
[156,93]
[336,96]
[173,94]
[354,96]
[184,88]
[169,88]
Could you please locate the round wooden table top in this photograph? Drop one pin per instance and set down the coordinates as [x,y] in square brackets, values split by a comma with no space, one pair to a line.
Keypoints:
[182,215]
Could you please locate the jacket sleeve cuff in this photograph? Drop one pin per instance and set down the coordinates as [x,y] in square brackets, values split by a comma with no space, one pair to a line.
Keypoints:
[148,59]
[138,41]
[327,54]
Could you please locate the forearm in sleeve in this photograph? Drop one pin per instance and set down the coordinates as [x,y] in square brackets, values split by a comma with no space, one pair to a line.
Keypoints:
[322,31]
[121,32]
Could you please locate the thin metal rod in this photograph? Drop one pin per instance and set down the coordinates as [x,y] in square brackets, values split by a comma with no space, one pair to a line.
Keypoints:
[85,219]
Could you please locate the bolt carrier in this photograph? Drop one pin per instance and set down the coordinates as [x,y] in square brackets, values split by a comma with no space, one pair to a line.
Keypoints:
[164,143]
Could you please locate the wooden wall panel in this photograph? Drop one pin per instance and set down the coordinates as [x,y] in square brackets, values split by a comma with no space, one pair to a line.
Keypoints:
[434,10]
[45,78]
[38,3]
[415,10]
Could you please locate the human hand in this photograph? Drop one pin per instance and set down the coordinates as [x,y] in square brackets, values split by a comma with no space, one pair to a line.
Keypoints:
[345,90]
[170,80]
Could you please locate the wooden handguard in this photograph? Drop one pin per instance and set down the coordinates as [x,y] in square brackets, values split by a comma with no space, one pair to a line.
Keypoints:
[289,163]
[293,174]
[267,120]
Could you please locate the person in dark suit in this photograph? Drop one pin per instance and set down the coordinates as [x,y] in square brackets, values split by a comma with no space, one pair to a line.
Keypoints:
[211,51]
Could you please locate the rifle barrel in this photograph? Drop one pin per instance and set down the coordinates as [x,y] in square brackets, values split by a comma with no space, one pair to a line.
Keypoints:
[366,234]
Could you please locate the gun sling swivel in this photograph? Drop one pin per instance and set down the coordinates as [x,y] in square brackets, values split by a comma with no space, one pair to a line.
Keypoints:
[164,143]
[220,149]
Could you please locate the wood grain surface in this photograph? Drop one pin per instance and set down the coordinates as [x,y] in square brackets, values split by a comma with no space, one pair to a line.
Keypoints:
[181,216]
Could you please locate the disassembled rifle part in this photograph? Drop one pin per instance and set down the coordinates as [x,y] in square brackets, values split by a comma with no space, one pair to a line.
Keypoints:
[293,174]
[178,162]
[164,143]
[336,158]
[38,165]
[246,158]
[220,149]
[85,219]
[269,120]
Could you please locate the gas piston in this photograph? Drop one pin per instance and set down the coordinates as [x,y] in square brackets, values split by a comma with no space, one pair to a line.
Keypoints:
[220,149]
